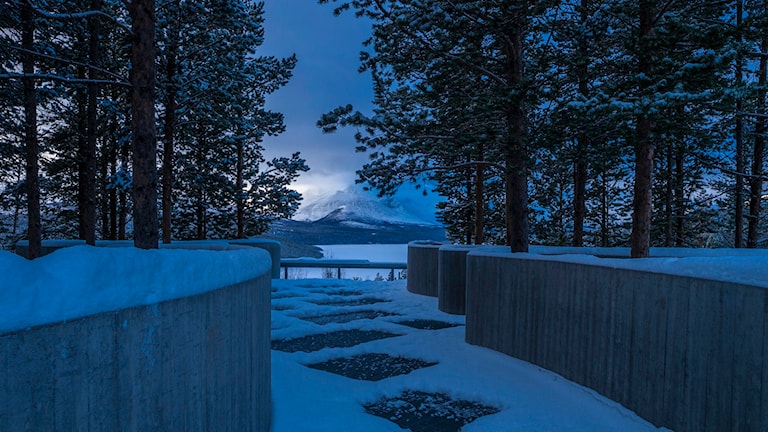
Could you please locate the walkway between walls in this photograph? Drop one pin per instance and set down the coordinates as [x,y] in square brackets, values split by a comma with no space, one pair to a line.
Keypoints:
[370,356]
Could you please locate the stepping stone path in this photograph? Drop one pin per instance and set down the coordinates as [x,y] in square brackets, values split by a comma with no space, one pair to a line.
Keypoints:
[372,367]
[428,412]
[341,338]
[413,409]
[345,317]
[425,324]
[350,302]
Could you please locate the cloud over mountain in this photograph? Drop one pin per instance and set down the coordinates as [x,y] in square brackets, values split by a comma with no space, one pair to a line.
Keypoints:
[357,207]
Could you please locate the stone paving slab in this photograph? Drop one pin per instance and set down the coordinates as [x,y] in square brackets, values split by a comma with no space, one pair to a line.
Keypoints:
[414,410]
[337,339]
[425,324]
[372,367]
[345,317]
[419,411]
[338,292]
[364,301]
[410,372]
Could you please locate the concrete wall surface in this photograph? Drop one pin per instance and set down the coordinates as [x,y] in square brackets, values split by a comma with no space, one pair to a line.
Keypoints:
[452,278]
[199,363]
[422,267]
[685,353]
[271,246]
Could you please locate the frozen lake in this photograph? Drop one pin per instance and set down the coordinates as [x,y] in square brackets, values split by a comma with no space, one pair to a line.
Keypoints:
[370,252]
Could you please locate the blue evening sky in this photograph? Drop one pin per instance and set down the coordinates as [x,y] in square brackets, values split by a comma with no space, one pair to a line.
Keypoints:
[325,77]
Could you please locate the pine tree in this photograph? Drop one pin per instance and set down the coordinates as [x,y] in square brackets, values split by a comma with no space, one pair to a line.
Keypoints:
[32,179]
[215,89]
[673,50]
[417,45]
[756,179]
[12,196]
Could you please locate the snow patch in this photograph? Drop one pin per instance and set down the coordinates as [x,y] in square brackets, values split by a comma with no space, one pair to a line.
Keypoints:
[740,266]
[357,207]
[82,280]
[530,399]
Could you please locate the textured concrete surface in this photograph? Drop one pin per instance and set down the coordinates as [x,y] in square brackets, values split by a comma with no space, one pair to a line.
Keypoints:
[685,353]
[271,246]
[452,278]
[422,267]
[199,363]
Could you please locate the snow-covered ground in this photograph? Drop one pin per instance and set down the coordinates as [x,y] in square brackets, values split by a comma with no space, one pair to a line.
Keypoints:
[389,253]
[309,400]
[84,280]
[372,252]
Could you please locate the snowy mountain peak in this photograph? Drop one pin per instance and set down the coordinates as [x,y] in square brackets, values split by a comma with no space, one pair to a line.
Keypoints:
[355,206]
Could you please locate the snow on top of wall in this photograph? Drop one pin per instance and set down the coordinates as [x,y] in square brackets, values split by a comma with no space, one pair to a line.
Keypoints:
[83,280]
[749,267]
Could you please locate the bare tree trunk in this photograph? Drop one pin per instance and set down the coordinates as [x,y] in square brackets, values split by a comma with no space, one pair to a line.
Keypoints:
[144,139]
[169,131]
[517,195]
[103,204]
[604,211]
[641,204]
[81,98]
[758,155]
[111,155]
[640,239]
[680,199]
[30,131]
[579,163]
[122,215]
[88,179]
[17,203]
[479,191]
[112,191]
[168,143]
[200,213]
[579,194]
[123,198]
[240,200]
[516,151]
[738,136]
[469,211]
[16,214]
[669,198]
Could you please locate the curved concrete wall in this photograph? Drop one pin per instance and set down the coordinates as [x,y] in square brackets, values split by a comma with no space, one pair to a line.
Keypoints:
[452,278]
[422,267]
[685,353]
[199,363]
[271,246]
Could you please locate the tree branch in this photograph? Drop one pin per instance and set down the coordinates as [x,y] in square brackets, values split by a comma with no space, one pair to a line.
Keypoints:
[755,115]
[430,47]
[79,15]
[470,164]
[662,12]
[52,77]
[72,62]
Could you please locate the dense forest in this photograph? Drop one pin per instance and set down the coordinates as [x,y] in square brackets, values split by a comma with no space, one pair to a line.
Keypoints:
[573,122]
[580,122]
[136,119]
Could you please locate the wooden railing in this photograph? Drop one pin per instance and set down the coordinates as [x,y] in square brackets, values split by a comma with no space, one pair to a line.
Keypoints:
[338,264]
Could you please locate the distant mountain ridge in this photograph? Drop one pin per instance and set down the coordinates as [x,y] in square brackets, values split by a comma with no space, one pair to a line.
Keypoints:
[357,207]
[355,216]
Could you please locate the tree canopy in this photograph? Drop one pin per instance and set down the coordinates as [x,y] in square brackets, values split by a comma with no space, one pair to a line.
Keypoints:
[590,122]
[91,87]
